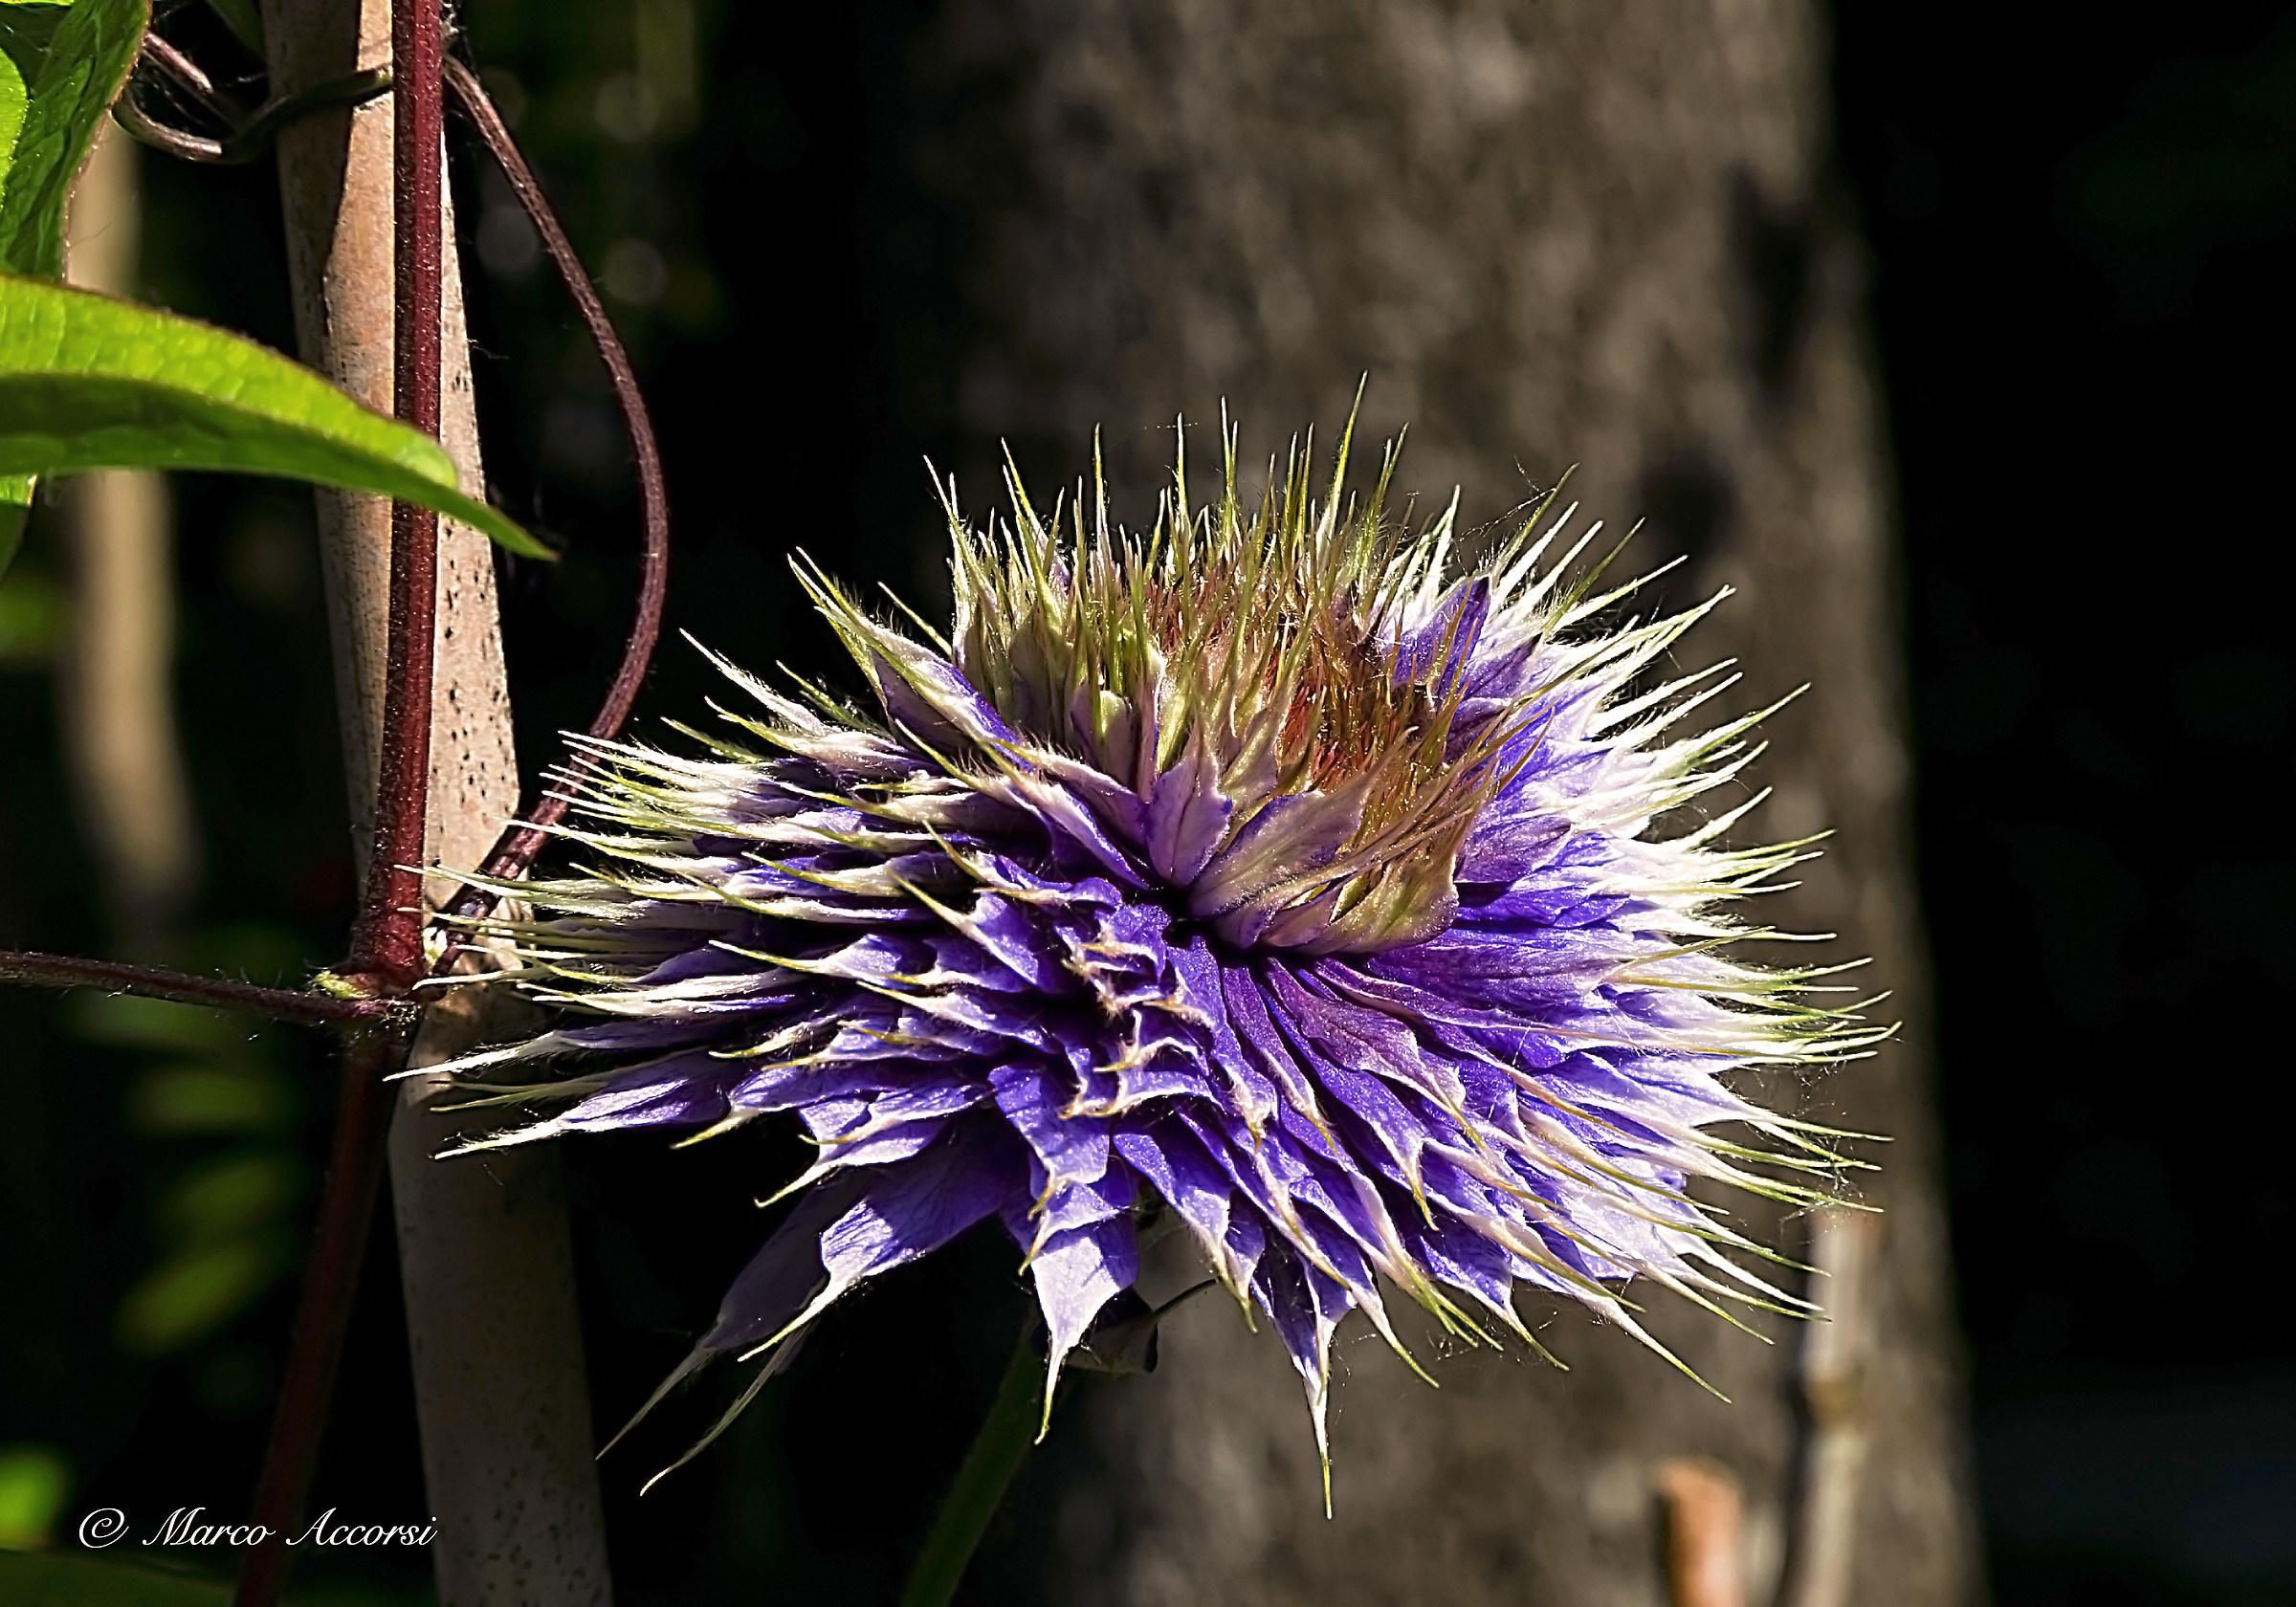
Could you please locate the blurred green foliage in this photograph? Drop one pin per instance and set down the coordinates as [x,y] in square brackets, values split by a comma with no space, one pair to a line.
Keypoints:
[32,611]
[34,1481]
[68,1580]
[64,1580]
[2203,159]
[224,1223]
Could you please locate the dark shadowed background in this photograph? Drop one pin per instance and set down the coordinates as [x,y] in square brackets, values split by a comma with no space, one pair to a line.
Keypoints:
[2082,234]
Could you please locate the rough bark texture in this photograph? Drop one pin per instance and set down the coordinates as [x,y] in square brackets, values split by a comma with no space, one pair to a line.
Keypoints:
[1560,234]
[483,1247]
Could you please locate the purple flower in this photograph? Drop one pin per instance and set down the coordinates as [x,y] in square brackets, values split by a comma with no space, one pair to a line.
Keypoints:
[1255,872]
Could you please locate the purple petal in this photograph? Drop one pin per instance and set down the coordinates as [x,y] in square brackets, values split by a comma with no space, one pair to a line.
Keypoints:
[1253,1095]
[1077,1271]
[924,692]
[1184,1177]
[1187,816]
[912,1210]
[1069,1149]
[1451,636]
[786,1272]
[684,1090]
[1291,836]
[1077,835]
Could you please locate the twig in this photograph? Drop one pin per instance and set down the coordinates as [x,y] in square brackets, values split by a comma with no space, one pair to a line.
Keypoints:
[1837,1357]
[515,852]
[251,138]
[1705,1551]
[221,993]
[185,148]
[323,1314]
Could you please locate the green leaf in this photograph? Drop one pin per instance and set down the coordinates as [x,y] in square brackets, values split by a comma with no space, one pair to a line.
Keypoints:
[61,66]
[79,78]
[87,382]
[15,491]
[27,29]
[66,1579]
[14,101]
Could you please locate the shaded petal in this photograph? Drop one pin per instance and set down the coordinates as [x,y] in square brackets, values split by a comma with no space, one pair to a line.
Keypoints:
[1077,1271]
[1451,636]
[787,1273]
[1184,1176]
[912,1210]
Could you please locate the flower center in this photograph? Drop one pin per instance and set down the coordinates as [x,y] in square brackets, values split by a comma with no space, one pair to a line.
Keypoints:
[1279,694]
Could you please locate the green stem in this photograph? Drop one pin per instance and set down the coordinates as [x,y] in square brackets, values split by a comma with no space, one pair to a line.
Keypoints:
[979,1488]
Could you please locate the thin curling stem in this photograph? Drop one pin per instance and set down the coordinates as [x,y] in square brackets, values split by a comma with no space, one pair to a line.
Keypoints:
[221,993]
[515,852]
[323,1311]
[978,1490]
[190,77]
[251,132]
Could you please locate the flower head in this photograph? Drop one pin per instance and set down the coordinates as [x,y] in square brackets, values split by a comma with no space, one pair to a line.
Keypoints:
[1256,871]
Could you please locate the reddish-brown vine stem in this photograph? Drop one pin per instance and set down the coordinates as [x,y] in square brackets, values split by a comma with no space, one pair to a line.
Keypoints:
[221,993]
[322,1311]
[515,851]
[386,946]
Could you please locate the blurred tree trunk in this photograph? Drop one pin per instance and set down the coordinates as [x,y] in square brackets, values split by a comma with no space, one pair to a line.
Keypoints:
[117,680]
[1552,235]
